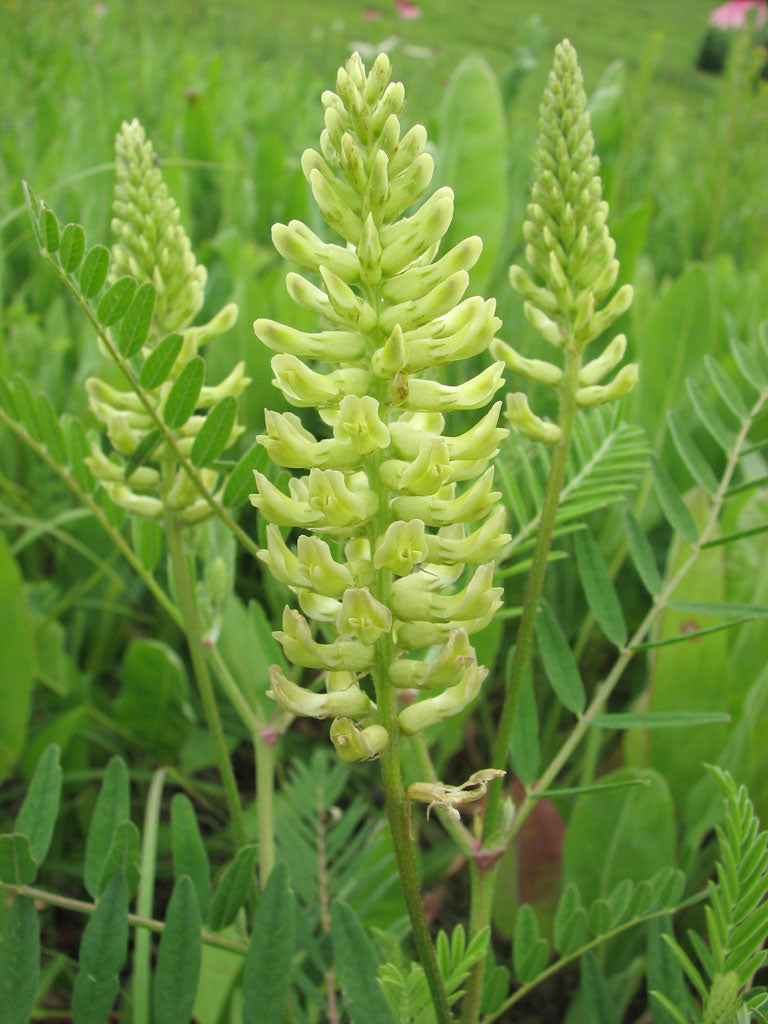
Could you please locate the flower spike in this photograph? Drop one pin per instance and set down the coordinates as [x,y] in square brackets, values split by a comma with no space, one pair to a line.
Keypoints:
[411,506]
[572,256]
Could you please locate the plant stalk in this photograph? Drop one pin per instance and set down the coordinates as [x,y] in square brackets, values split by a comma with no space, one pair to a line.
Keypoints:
[193,633]
[484,875]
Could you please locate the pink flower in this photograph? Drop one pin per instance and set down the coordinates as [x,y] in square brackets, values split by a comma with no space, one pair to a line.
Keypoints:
[372,14]
[734,13]
[406,10]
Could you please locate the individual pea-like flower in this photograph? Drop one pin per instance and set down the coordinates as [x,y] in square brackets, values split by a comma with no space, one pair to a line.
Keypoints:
[403,521]
[153,248]
[572,254]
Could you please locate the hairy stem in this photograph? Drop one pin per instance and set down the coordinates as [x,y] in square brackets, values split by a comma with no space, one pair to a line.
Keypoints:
[264,741]
[484,875]
[193,633]
[391,770]
[84,907]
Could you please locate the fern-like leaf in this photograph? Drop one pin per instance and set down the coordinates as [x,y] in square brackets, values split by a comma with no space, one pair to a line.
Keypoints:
[606,463]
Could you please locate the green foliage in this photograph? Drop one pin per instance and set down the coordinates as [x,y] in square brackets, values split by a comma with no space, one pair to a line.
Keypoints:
[357,966]
[102,954]
[737,919]
[17,652]
[19,961]
[267,968]
[178,957]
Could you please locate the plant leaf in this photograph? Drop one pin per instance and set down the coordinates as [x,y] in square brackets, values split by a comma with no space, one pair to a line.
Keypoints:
[642,555]
[524,747]
[17,866]
[19,961]
[112,807]
[267,968]
[599,590]
[672,505]
[189,854]
[17,656]
[240,480]
[115,301]
[102,955]
[142,451]
[357,968]
[184,394]
[177,971]
[49,229]
[137,321]
[233,889]
[658,719]
[689,452]
[558,660]
[93,272]
[160,362]
[123,857]
[71,248]
[214,433]
[37,814]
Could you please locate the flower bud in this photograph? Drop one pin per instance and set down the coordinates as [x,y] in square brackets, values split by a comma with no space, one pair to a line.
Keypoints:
[353,744]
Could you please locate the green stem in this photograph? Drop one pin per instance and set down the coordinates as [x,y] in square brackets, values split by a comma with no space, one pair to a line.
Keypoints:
[216,507]
[146,923]
[391,771]
[484,884]
[145,898]
[193,633]
[264,741]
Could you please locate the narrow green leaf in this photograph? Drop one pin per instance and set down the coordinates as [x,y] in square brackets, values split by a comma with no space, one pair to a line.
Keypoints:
[178,959]
[658,719]
[267,968]
[357,968]
[8,399]
[728,608]
[710,417]
[78,450]
[695,462]
[527,934]
[558,660]
[142,451]
[189,854]
[115,301]
[597,1000]
[599,590]
[729,538]
[137,321]
[672,505]
[240,481]
[71,248]
[599,917]
[27,407]
[34,207]
[184,394]
[17,657]
[568,907]
[598,787]
[524,746]
[750,368]
[112,807]
[160,362]
[747,485]
[682,638]
[233,889]
[214,433]
[37,814]
[93,272]
[50,429]
[102,955]
[642,555]
[725,387]
[49,229]
[19,962]
[123,857]
[670,1007]
[17,866]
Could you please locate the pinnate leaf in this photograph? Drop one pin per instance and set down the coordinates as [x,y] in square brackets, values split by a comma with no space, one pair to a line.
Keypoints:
[184,394]
[137,321]
[93,272]
[160,362]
